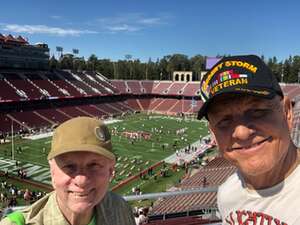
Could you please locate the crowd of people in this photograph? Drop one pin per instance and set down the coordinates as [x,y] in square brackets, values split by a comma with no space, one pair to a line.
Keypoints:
[13,196]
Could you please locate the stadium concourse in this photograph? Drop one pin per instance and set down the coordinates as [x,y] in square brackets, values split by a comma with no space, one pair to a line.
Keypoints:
[34,101]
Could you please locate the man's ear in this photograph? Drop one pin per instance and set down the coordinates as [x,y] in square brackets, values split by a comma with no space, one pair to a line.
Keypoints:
[212,134]
[52,173]
[288,111]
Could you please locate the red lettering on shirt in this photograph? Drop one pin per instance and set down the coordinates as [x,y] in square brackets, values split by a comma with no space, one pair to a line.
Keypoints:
[243,217]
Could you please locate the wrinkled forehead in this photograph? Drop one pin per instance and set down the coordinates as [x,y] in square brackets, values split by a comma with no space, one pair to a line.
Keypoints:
[235,101]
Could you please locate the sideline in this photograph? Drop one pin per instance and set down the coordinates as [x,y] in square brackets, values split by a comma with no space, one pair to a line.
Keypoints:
[50,134]
[181,157]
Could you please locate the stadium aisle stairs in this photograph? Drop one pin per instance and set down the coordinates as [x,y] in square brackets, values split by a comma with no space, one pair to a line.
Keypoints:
[140,105]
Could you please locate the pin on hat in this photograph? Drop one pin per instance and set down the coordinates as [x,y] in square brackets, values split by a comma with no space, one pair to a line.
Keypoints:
[82,134]
[246,74]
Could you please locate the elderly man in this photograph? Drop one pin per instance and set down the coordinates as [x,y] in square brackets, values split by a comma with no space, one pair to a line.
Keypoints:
[251,121]
[81,164]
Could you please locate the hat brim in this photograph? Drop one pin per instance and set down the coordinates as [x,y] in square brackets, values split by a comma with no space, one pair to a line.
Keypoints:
[82,148]
[203,110]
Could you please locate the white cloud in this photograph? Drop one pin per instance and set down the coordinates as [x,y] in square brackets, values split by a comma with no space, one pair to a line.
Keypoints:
[150,21]
[56,17]
[130,22]
[123,27]
[43,29]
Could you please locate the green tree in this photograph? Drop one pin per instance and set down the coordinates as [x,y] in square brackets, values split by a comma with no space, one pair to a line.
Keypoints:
[295,70]
[286,71]
[92,62]
[123,70]
[66,62]
[198,64]
[53,63]
[163,68]
[79,64]
[275,67]
[105,67]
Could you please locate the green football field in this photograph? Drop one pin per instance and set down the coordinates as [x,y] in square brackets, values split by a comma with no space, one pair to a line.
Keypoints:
[134,155]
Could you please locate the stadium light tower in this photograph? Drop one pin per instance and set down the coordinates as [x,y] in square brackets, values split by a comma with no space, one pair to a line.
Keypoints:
[59,49]
[75,51]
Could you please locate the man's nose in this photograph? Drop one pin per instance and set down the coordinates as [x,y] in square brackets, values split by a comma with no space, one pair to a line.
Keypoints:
[82,179]
[242,131]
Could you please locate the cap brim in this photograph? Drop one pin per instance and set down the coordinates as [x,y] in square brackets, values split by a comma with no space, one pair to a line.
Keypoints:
[82,148]
[203,110]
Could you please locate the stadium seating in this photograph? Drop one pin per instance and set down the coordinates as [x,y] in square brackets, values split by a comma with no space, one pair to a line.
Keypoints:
[61,84]
[72,111]
[176,88]
[292,90]
[121,86]
[23,85]
[148,86]
[144,103]
[105,82]
[123,106]
[135,87]
[134,103]
[29,119]
[76,81]
[43,84]
[162,88]
[53,115]
[188,220]
[164,105]
[191,89]
[7,123]
[154,103]
[91,110]
[8,92]
[215,173]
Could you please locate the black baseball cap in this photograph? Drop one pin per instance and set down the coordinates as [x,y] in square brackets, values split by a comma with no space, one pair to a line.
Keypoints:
[246,74]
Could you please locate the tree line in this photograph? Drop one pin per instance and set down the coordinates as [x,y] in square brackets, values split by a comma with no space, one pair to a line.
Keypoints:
[287,71]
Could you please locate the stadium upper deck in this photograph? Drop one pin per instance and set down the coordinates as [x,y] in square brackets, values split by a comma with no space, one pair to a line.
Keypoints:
[16,52]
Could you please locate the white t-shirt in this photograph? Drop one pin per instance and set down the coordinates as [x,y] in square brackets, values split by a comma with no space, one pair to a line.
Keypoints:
[278,205]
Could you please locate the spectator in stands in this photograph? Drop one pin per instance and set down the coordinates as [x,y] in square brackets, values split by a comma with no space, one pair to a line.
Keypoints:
[81,165]
[251,121]
[136,217]
[143,219]
[27,196]
[6,174]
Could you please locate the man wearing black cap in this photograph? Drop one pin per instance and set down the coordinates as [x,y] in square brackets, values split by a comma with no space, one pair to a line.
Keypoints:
[251,121]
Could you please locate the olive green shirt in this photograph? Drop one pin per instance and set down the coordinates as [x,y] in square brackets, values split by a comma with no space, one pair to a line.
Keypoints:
[112,210]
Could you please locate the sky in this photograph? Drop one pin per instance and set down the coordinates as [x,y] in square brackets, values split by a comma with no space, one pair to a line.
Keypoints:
[156,28]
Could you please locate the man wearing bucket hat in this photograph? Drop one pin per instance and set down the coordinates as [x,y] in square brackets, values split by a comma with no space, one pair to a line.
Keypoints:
[81,165]
[251,122]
